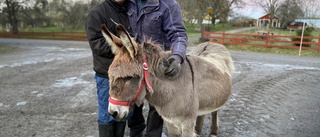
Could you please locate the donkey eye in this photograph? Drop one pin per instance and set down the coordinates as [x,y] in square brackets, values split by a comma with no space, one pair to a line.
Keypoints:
[127,78]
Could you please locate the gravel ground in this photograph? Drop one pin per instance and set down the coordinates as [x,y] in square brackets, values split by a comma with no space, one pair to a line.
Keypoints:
[47,90]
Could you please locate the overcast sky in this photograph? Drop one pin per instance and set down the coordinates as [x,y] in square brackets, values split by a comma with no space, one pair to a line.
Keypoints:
[250,11]
[253,12]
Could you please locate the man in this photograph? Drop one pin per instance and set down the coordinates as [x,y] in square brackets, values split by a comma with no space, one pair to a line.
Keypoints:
[104,13]
[161,21]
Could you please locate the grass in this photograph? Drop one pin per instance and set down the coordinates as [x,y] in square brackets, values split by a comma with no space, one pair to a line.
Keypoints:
[313,53]
[6,49]
[192,32]
[260,49]
[53,29]
[284,32]
[223,27]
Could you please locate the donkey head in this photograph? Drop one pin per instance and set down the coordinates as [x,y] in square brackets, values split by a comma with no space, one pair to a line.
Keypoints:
[126,73]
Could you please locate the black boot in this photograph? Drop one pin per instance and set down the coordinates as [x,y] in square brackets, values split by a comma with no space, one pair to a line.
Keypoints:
[136,122]
[140,135]
[119,128]
[106,131]
[154,123]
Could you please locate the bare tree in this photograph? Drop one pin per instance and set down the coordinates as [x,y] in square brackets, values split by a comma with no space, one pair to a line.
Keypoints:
[271,7]
[198,9]
[35,14]
[310,8]
[289,10]
[11,11]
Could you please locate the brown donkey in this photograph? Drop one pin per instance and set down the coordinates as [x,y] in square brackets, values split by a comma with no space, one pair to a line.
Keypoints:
[202,86]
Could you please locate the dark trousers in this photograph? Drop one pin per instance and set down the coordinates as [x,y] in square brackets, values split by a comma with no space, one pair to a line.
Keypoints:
[137,123]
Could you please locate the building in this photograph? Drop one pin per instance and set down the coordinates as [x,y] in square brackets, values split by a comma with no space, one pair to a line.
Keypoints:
[264,21]
[312,22]
[296,25]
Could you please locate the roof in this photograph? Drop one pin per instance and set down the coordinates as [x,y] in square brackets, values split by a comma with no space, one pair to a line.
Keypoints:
[267,16]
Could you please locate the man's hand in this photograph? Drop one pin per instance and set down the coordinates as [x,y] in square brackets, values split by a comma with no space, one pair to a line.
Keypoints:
[174,65]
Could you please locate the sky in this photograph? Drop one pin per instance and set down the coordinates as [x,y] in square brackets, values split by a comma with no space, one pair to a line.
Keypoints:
[253,11]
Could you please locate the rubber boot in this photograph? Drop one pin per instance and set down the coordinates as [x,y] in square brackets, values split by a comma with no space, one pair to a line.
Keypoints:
[119,128]
[140,135]
[136,122]
[106,131]
[154,123]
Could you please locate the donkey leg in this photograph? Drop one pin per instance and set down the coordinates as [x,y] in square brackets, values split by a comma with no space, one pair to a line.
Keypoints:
[173,131]
[188,128]
[214,124]
[199,124]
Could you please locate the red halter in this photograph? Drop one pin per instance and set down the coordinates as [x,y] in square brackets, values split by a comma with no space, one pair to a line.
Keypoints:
[145,80]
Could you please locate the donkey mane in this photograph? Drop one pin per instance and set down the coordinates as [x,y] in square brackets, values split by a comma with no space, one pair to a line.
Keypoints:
[156,57]
[153,52]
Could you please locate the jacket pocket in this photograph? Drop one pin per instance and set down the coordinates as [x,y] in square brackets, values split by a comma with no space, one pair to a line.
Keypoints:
[153,23]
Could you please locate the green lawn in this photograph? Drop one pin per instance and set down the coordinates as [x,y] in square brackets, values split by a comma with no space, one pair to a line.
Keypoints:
[284,32]
[218,27]
[311,53]
[194,33]
[53,29]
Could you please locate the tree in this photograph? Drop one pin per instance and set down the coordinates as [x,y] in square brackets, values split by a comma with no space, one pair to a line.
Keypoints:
[35,15]
[310,8]
[271,7]
[75,15]
[11,11]
[65,13]
[289,10]
[221,9]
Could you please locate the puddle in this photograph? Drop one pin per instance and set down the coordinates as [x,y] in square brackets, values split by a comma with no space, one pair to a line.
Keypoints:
[69,82]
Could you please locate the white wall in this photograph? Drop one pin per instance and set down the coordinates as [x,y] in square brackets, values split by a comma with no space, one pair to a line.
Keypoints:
[310,22]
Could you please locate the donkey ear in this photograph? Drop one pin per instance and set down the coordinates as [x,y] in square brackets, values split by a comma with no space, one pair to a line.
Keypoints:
[114,41]
[127,40]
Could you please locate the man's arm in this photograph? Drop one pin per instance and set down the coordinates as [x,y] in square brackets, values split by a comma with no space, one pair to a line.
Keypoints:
[176,33]
[96,40]
[175,30]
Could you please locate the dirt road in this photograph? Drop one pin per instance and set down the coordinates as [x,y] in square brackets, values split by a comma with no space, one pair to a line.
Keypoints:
[47,90]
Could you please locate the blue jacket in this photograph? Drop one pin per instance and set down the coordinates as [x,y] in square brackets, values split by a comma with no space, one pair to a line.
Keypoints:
[160,21]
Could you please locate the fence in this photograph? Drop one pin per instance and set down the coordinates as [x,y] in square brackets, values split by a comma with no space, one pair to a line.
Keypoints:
[264,39]
[46,35]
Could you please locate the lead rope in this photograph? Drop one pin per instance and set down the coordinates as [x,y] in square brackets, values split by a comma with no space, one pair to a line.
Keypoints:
[192,73]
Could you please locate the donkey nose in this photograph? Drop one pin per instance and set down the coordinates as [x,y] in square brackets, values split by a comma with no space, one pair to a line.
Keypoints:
[114,114]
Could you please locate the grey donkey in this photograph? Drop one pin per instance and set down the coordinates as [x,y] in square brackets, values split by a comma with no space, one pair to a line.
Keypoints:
[202,86]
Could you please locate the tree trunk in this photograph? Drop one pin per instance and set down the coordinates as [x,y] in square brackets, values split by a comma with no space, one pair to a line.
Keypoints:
[213,21]
[199,23]
[11,15]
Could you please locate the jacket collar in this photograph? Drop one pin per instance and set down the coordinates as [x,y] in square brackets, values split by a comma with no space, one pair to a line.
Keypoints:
[152,3]
[120,7]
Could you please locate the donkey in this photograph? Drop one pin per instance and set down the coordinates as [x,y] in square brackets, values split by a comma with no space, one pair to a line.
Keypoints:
[202,86]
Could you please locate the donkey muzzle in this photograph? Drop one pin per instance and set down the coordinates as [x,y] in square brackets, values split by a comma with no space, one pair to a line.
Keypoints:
[118,112]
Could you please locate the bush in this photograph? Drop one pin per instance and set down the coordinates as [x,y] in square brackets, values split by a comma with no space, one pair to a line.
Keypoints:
[307,32]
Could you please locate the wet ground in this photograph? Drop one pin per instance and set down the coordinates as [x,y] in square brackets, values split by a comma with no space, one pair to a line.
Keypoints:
[47,90]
